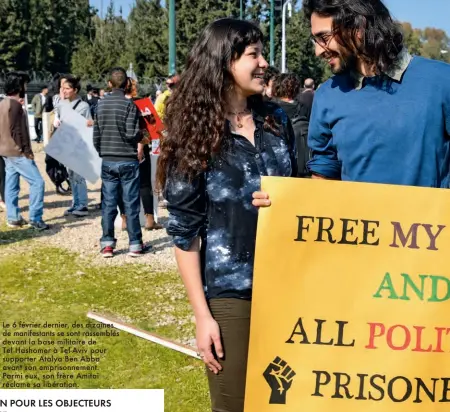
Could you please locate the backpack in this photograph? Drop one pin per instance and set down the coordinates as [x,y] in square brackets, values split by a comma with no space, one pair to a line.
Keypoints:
[58,174]
[300,124]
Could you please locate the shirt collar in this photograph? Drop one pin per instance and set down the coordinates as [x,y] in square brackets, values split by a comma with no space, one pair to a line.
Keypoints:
[395,72]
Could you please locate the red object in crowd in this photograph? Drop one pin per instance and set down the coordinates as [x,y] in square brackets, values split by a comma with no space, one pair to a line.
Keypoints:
[150,121]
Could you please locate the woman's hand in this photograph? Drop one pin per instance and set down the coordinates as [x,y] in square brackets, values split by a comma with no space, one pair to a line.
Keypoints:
[208,334]
[261,199]
[90,123]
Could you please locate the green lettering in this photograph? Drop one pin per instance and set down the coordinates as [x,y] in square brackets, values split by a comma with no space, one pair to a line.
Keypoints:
[386,285]
[409,282]
[434,289]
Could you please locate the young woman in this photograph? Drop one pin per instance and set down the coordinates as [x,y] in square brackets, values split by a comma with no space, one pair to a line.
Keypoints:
[70,89]
[221,138]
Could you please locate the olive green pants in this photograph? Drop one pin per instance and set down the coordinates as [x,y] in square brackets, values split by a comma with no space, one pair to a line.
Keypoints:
[227,389]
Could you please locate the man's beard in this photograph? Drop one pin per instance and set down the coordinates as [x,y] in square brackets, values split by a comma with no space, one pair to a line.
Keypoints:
[347,64]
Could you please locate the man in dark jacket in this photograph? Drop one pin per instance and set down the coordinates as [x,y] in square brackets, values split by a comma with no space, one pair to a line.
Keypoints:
[15,147]
[285,90]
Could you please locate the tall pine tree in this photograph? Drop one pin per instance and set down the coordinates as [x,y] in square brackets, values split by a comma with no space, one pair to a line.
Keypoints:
[147,39]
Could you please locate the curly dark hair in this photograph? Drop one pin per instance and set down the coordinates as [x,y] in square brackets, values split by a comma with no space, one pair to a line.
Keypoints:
[195,112]
[382,39]
[270,74]
[286,85]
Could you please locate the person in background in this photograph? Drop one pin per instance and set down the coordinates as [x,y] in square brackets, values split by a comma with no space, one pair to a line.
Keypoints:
[146,190]
[161,100]
[71,87]
[37,105]
[157,94]
[94,101]
[2,184]
[116,138]
[15,147]
[221,138]
[269,77]
[306,98]
[89,93]
[101,94]
[285,90]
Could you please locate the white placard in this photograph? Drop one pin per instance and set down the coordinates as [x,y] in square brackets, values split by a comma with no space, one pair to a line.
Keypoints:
[111,400]
[72,145]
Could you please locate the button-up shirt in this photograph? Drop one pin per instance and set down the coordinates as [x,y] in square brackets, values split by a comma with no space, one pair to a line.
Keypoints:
[217,204]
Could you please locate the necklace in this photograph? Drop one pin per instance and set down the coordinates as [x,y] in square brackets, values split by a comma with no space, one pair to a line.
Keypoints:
[239,117]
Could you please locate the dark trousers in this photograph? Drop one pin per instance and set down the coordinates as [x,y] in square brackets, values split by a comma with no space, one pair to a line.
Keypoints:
[38,128]
[2,178]
[121,180]
[227,389]
[145,170]
[145,185]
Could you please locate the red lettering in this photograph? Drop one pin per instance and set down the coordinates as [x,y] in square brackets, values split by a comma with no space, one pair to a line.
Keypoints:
[389,339]
[418,347]
[439,338]
[376,330]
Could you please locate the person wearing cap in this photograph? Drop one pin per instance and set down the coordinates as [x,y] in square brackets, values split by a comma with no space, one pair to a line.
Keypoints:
[160,103]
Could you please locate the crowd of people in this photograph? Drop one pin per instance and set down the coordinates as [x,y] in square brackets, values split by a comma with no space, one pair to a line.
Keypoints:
[230,119]
[118,137]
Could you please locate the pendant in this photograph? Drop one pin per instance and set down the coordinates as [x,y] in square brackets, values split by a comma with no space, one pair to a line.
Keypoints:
[239,122]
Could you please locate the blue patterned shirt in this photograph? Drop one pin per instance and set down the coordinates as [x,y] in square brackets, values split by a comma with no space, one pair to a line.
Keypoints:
[217,204]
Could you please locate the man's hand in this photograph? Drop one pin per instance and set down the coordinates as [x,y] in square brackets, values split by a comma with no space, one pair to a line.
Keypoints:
[261,199]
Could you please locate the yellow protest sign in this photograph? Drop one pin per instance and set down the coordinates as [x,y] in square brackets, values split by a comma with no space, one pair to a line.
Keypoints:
[351,299]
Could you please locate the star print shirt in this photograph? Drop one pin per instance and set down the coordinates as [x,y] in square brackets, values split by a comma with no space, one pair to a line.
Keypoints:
[217,204]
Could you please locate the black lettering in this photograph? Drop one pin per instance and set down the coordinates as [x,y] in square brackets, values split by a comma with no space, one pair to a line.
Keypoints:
[320,383]
[391,390]
[362,380]
[367,232]
[302,227]
[301,332]
[377,387]
[343,385]
[445,390]
[346,230]
[323,229]
[340,339]
[430,394]
[318,341]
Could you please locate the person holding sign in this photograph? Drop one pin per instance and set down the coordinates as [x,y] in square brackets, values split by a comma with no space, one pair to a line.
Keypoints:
[367,124]
[221,138]
[71,87]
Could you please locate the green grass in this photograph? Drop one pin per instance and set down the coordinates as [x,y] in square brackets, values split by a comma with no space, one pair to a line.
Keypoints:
[41,284]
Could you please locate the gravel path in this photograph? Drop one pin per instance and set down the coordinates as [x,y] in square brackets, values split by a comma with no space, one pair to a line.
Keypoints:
[81,235]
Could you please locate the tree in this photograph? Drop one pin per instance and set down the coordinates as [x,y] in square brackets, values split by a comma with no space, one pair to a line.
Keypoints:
[147,39]
[412,39]
[95,57]
[36,36]
[14,42]
[193,16]
[435,44]
[300,50]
